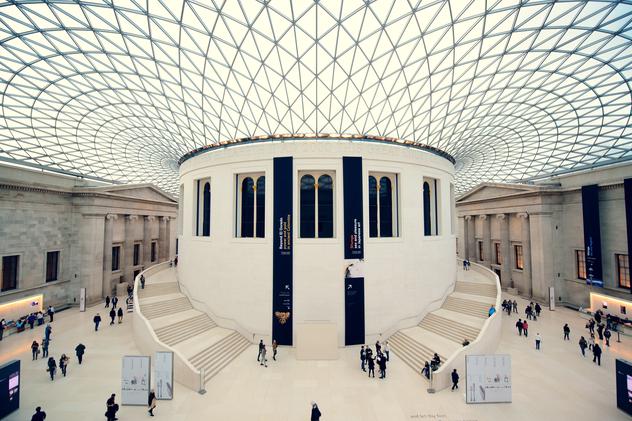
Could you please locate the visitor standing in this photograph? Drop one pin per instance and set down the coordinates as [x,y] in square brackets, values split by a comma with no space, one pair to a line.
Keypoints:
[96,320]
[112,315]
[597,354]
[80,350]
[515,306]
[264,361]
[51,313]
[48,331]
[112,408]
[567,332]
[142,281]
[114,301]
[607,334]
[378,347]
[426,370]
[362,358]
[382,364]
[538,341]
[525,328]
[315,416]
[261,345]
[274,349]
[455,379]
[600,331]
[63,364]
[151,402]
[52,368]
[538,309]
[107,301]
[491,311]
[119,313]
[583,345]
[371,363]
[519,326]
[35,350]
[40,318]
[527,312]
[387,351]
[591,343]
[45,343]
[39,415]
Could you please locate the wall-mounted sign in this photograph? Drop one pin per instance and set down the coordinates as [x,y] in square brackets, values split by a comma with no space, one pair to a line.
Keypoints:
[488,378]
[163,375]
[135,380]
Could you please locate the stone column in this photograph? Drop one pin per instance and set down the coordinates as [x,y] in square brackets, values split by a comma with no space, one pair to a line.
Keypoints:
[162,237]
[527,287]
[168,221]
[128,249]
[541,234]
[91,229]
[107,254]
[462,235]
[505,250]
[471,238]
[487,239]
[147,241]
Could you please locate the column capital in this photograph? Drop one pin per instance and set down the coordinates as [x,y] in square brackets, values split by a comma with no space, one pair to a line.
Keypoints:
[501,216]
[111,217]
[524,215]
[467,217]
[482,217]
[131,218]
[149,218]
[165,218]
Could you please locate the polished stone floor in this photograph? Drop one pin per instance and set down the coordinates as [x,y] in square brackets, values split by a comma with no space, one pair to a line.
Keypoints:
[555,383]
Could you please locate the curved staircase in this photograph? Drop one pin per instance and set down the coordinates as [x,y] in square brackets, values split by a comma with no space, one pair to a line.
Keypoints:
[208,347]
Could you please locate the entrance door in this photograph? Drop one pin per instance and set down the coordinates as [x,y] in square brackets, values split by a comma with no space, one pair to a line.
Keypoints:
[497,272]
[136,272]
[354,311]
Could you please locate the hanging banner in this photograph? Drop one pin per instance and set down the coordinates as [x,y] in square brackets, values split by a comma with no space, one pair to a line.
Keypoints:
[352,190]
[82,299]
[592,235]
[488,378]
[163,375]
[627,186]
[135,380]
[354,311]
[282,252]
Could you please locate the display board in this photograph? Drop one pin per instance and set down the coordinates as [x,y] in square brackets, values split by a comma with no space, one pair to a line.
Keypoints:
[354,311]
[135,380]
[488,378]
[9,388]
[592,235]
[163,375]
[624,385]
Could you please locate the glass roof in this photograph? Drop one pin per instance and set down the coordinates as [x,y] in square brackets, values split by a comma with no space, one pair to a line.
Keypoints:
[120,90]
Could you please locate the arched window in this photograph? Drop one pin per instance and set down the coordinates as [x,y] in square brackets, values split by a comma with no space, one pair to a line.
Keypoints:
[206,211]
[386,207]
[308,211]
[372,206]
[261,206]
[427,211]
[325,206]
[247,207]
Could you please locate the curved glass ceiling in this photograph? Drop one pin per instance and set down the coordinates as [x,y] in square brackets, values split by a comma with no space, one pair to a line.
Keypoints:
[121,89]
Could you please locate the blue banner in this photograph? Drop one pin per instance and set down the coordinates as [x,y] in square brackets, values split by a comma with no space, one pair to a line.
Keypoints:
[354,311]
[282,253]
[352,189]
[627,186]
[592,235]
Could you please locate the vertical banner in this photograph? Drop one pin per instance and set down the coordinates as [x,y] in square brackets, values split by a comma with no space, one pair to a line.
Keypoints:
[282,253]
[82,299]
[352,189]
[163,375]
[488,378]
[592,234]
[135,380]
[627,186]
[354,311]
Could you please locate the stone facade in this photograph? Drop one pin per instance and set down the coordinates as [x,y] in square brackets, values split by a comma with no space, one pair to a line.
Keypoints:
[544,219]
[41,212]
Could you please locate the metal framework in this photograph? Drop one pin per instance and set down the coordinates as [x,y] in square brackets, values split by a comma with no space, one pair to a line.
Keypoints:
[120,90]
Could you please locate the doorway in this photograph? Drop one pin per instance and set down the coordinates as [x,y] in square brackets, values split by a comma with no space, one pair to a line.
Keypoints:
[497,272]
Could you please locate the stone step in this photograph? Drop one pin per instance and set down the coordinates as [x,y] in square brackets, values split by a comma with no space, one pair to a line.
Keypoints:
[164,308]
[487,290]
[185,329]
[472,308]
[158,289]
[412,352]
[449,329]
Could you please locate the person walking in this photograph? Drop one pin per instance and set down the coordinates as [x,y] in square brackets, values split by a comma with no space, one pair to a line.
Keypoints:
[31,320]
[151,402]
[114,301]
[142,281]
[426,370]
[112,315]
[261,345]
[112,408]
[51,313]
[387,351]
[48,331]
[519,325]
[119,313]
[583,345]
[600,331]
[591,326]
[362,358]
[315,415]
[264,360]
[515,306]
[591,343]
[538,309]
[538,341]
[45,343]
[39,415]
[96,320]
[378,347]
[455,379]
[274,349]
[107,301]
[52,368]
[382,364]
[79,351]
[525,328]
[63,364]
[527,312]
[371,363]
[607,335]
[567,332]
[35,350]
[597,354]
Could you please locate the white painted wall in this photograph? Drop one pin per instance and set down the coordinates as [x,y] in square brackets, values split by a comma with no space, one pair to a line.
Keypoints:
[234,275]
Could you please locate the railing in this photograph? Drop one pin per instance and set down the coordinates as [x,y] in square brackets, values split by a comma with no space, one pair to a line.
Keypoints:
[148,342]
[486,342]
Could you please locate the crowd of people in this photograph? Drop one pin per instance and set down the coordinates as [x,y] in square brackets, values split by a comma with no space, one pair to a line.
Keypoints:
[36,318]
[381,358]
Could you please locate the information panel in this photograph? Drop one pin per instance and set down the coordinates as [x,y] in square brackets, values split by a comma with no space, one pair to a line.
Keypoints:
[135,380]
[488,378]
[354,311]
[352,190]
[624,385]
[282,252]
[627,186]
[163,375]
[9,388]
[592,234]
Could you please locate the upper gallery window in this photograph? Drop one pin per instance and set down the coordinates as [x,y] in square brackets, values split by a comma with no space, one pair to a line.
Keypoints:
[251,205]
[580,260]
[10,272]
[383,199]
[203,208]
[430,206]
[623,270]
[316,204]
[52,266]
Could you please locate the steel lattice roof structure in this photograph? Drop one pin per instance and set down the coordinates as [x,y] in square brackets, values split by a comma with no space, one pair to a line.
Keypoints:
[120,90]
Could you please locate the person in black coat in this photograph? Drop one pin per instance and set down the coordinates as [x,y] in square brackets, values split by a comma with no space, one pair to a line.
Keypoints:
[52,368]
[39,415]
[607,334]
[455,379]
[315,412]
[112,316]
[151,402]
[600,331]
[96,320]
[107,301]
[567,332]
[112,408]
[382,364]
[371,362]
[261,346]
[114,301]
[597,354]
[80,350]
[119,313]
[583,344]
[362,358]
[538,309]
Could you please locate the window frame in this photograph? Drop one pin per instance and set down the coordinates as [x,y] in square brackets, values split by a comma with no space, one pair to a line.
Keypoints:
[578,266]
[432,216]
[118,258]
[519,262]
[199,186]
[136,257]
[58,268]
[479,248]
[316,175]
[153,251]
[395,219]
[257,225]
[18,272]
[498,253]
[619,260]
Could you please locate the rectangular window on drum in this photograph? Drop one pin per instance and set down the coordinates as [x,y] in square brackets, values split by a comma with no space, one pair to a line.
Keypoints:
[136,256]
[10,265]
[383,205]
[250,205]
[116,251]
[499,256]
[52,266]
[580,261]
[623,270]
[519,258]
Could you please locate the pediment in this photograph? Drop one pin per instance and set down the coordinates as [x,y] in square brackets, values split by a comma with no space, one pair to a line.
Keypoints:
[490,191]
[141,191]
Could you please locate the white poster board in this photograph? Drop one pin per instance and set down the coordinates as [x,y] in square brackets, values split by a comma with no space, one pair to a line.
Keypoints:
[163,375]
[82,299]
[135,380]
[488,378]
